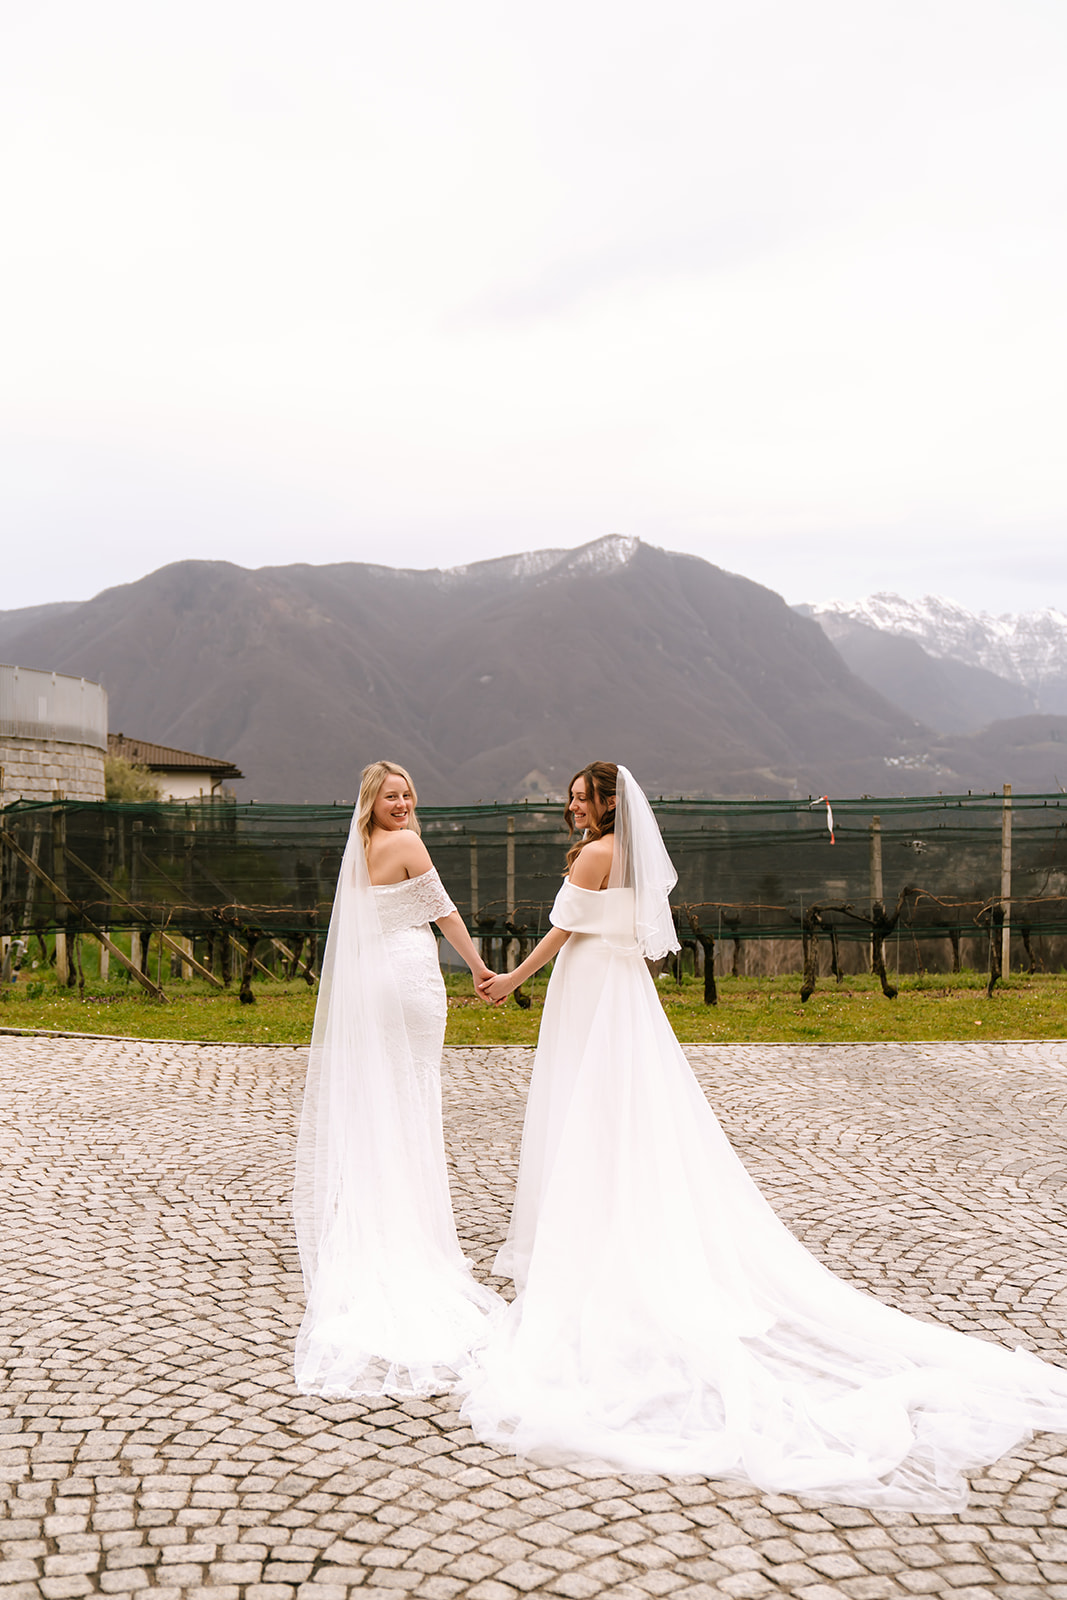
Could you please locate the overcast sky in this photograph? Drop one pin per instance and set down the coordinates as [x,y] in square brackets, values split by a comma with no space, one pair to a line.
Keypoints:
[418,282]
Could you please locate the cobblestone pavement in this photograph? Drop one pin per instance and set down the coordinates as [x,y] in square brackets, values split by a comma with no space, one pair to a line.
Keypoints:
[152,1438]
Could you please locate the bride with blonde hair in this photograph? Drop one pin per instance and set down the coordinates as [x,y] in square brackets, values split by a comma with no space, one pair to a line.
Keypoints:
[392,1305]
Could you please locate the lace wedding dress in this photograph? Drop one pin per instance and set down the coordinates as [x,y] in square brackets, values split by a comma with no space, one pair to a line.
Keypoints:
[665,1320]
[392,1306]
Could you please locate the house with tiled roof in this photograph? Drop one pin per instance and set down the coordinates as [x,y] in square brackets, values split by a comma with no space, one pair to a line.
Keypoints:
[181,774]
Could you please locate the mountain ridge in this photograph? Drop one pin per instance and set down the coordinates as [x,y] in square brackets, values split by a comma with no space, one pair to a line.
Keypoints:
[501,678]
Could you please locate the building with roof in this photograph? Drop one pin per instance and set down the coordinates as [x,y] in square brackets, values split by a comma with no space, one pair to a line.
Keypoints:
[182,775]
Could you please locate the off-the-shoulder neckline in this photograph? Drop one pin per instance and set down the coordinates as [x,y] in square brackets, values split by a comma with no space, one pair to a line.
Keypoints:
[609,890]
[401,881]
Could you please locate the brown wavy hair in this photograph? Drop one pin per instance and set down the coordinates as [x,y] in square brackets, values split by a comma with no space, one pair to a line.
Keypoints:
[601,781]
[371,782]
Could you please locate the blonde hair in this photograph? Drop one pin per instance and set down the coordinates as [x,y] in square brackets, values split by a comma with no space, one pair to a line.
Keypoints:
[371,782]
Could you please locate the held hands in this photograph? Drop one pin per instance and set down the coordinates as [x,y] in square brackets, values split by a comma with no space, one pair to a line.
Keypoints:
[482,976]
[497,986]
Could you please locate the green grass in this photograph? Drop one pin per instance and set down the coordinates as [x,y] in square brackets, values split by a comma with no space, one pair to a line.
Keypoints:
[750,1010]
[929,1006]
[194,1010]
[769,1010]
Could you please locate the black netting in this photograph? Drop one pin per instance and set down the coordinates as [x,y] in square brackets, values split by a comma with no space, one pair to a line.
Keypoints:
[748,870]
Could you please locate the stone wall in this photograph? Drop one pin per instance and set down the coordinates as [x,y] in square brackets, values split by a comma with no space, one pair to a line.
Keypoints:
[33,769]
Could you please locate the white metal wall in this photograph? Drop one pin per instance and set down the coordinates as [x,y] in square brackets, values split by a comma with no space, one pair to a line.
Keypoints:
[49,705]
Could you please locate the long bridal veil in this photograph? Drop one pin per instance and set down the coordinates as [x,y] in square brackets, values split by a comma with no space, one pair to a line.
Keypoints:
[391,1304]
[640,862]
[666,1320]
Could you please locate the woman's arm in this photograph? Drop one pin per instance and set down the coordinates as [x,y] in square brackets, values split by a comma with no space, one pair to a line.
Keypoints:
[589,871]
[504,983]
[455,931]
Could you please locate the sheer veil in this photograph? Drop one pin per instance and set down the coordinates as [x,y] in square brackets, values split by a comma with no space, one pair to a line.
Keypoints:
[391,1304]
[641,863]
[356,996]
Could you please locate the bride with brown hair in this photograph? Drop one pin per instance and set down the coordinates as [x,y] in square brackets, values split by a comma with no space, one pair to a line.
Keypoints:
[392,1306]
[665,1320]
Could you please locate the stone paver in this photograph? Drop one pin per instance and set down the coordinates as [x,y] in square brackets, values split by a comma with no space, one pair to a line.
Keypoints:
[151,1438]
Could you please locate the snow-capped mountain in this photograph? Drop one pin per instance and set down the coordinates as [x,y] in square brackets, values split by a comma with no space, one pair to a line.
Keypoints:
[608,554]
[1027,648]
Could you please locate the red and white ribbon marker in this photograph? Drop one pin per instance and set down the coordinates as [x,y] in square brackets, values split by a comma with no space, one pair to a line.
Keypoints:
[824,800]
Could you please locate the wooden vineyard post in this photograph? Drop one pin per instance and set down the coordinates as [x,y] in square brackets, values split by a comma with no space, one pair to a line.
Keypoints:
[1005,881]
[181,965]
[185,968]
[474,893]
[509,963]
[6,920]
[877,897]
[136,954]
[64,974]
[109,873]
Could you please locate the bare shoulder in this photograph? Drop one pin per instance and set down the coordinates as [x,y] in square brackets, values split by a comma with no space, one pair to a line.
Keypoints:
[593,863]
[398,855]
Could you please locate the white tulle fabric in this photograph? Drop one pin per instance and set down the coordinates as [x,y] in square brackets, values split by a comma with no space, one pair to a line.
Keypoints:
[667,1322]
[640,863]
[392,1307]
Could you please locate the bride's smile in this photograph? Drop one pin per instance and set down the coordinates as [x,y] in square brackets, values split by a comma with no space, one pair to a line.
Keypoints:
[580,808]
[393,807]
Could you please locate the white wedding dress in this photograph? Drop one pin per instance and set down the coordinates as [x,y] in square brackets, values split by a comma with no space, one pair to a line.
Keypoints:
[667,1322]
[392,1306]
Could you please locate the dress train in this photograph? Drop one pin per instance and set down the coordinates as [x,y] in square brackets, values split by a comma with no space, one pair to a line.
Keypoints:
[667,1322]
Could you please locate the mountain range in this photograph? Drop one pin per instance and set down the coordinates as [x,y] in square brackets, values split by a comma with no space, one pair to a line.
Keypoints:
[955,668]
[499,679]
